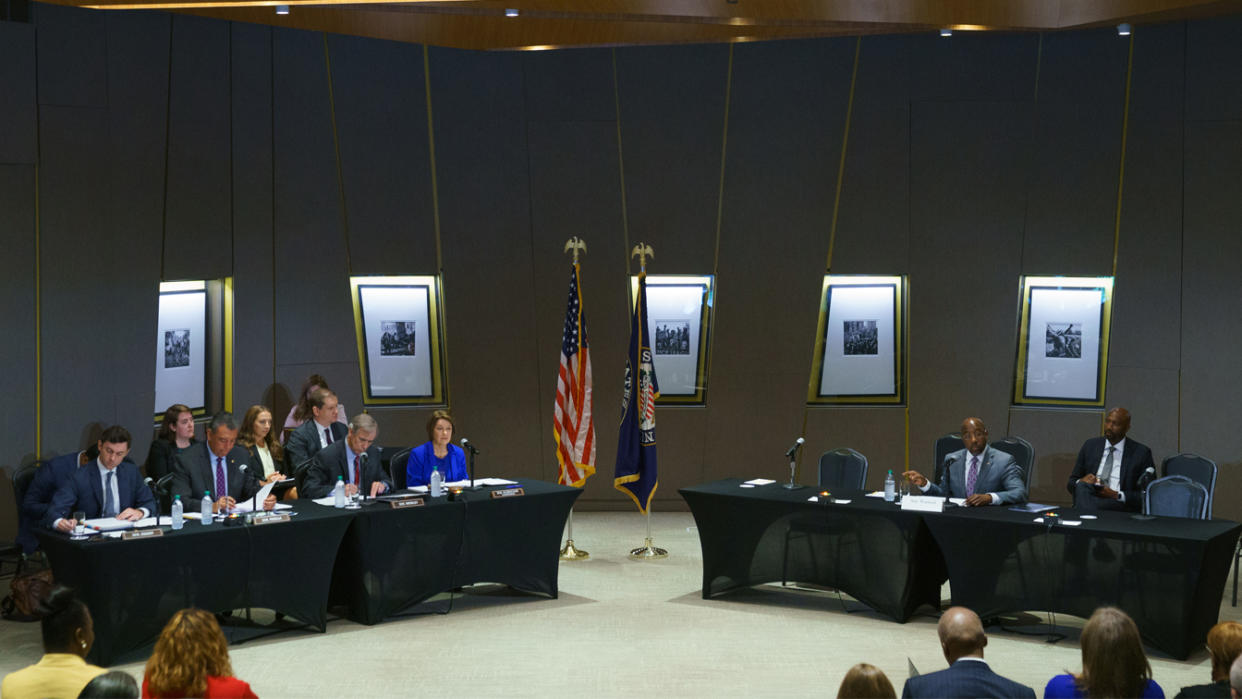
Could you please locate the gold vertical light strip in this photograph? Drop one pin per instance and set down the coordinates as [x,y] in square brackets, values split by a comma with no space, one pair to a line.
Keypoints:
[625,216]
[845,139]
[724,152]
[435,219]
[227,289]
[336,147]
[1121,170]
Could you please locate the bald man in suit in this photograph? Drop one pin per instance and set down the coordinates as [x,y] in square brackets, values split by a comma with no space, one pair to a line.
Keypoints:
[979,474]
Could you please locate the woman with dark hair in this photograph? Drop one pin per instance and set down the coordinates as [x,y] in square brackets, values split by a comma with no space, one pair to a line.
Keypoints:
[68,633]
[111,685]
[175,435]
[1113,663]
[301,411]
[866,681]
[191,659]
[438,453]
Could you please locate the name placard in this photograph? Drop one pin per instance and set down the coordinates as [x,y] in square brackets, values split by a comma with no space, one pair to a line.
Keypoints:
[272,518]
[406,502]
[141,533]
[923,503]
[507,493]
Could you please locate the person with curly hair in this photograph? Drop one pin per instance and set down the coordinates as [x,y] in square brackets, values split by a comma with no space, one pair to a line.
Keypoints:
[191,659]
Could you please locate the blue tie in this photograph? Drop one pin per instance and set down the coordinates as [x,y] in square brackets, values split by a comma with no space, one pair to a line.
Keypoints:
[109,503]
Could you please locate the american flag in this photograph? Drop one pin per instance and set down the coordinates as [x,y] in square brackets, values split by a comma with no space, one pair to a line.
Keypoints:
[573,425]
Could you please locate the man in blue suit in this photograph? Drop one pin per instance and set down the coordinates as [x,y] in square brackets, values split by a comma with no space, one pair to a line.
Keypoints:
[47,480]
[355,460]
[980,474]
[317,433]
[109,487]
[1109,472]
[968,675]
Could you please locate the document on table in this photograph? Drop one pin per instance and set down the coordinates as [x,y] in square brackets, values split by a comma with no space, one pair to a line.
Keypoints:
[249,504]
[107,524]
[759,481]
[465,484]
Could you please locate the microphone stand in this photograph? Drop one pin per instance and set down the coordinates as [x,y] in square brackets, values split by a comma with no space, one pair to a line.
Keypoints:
[793,467]
[473,453]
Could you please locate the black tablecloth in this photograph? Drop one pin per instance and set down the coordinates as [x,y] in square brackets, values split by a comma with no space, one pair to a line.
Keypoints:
[133,587]
[1167,573]
[392,559]
[870,549]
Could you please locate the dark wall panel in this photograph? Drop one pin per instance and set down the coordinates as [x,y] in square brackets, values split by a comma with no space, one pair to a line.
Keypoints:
[17,108]
[876,433]
[253,262]
[71,46]
[381,117]
[17,269]
[672,106]
[198,237]
[973,66]
[1057,435]
[1213,82]
[572,85]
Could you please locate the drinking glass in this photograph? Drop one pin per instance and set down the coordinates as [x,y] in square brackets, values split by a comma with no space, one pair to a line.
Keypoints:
[79,527]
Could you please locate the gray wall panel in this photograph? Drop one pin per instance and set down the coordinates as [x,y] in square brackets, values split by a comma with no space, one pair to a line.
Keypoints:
[71,47]
[1213,82]
[1057,435]
[570,85]
[973,66]
[17,269]
[198,237]
[17,109]
[877,433]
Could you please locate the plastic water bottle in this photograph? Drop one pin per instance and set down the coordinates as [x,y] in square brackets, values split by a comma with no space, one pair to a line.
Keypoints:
[178,513]
[437,482]
[890,487]
[206,507]
[338,493]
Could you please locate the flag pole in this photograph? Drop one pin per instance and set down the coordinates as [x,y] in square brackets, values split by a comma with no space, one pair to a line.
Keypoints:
[647,551]
[569,552]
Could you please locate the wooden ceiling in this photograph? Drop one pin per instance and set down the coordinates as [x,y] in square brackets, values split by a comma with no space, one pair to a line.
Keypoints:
[545,24]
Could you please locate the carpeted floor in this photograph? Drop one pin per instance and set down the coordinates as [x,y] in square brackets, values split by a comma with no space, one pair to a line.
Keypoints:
[624,627]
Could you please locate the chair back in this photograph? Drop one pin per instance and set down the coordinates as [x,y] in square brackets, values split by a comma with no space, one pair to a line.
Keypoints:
[842,469]
[944,446]
[1022,452]
[396,468]
[1196,468]
[22,478]
[1176,496]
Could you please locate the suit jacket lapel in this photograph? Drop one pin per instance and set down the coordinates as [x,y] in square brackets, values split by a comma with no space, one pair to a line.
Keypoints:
[96,489]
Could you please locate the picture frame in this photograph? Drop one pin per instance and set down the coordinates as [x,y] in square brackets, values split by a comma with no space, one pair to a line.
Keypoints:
[397,321]
[860,342]
[679,318]
[182,347]
[1063,332]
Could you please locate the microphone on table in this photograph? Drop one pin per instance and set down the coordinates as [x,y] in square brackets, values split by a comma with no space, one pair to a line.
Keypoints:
[948,478]
[465,444]
[254,499]
[794,449]
[362,467]
[150,483]
[1146,477]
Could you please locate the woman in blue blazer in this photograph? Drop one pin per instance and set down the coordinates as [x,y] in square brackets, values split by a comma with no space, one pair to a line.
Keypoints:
[437,454]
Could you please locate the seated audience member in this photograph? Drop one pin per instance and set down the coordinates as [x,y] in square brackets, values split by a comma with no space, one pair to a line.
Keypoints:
[175,435]
[437,454]
[962,640]
[320,431]
[1224,644]
[256,437]
[47,480]
[301,411]
[215,468]
[864,681]
[191,659]
[109,487]
[991,478]
[354,460]
[1113,663]
[1109,469]
[111,685]
[68,633]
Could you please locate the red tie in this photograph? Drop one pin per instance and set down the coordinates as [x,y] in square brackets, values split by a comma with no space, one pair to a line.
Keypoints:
[357,473]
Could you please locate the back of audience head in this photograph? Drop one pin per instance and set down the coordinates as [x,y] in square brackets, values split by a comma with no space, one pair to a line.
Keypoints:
[1235,678]
[866,681]
[111,685]
[190,648]
[67,624]
[961,634]
[1113,662]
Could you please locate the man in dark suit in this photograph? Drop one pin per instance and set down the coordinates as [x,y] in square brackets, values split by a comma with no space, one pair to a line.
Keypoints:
[968,675]
[319,432]
[108,487]
[980,474]
[1109,469]
[48,479]
[215,467]
[353,459]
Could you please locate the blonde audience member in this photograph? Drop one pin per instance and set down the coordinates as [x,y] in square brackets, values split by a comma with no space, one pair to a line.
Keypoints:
[191,659]
[865,681]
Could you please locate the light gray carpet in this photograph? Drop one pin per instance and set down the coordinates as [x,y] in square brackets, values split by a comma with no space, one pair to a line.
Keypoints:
[624,627]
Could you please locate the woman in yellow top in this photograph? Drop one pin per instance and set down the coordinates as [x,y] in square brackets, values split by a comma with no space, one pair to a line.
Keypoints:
[62,672]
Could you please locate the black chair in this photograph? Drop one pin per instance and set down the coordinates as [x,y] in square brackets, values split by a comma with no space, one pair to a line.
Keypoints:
[1176,496]
[1022,452]
[396,468]
[842,469]
[944,446]
[163,495]
[10,551]
[1196,468]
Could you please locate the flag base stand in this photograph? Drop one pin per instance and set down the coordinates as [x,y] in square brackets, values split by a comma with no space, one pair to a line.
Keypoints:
[571,553]
[792,486]
[647,551]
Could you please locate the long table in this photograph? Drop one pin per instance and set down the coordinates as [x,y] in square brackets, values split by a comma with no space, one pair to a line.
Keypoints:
[878,554]
[1167,573]
[376,562]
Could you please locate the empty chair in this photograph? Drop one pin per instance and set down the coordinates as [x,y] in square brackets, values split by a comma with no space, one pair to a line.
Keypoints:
[944,446]
[1176,496]
[1022,452]
[842,469]
[396,468]
[1196,468]
[11,552]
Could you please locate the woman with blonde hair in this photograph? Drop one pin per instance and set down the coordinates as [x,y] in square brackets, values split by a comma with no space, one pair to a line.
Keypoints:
[191,659]
[866,681]
[1113,663]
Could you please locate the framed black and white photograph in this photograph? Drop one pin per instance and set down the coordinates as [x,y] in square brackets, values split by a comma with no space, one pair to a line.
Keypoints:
[860,341]
[679,312]
[1063,341]
[397,322]
[181,348]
